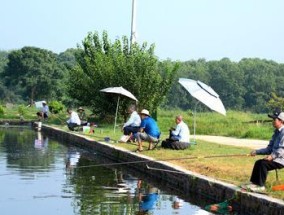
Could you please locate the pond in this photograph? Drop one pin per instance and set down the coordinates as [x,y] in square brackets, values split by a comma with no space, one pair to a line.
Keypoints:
[40,175]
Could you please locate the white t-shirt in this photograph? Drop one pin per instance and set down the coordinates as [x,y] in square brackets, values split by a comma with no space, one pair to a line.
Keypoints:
[74,118]
[182,131]
[134,120]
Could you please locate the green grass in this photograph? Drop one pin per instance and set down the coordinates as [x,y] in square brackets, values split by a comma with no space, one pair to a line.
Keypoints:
[235,169]
[235,124]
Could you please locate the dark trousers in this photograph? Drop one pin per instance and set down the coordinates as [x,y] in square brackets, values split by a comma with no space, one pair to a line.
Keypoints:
[260,171]
[130,129]
[71,126]
[173,137]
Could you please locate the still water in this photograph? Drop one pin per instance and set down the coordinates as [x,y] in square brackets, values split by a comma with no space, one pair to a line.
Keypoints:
[42,176]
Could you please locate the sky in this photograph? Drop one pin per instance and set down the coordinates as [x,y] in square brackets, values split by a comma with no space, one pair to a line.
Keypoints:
[180,29]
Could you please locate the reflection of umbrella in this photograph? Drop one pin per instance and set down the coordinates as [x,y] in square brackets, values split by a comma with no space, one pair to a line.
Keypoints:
[204,94]
[119,91]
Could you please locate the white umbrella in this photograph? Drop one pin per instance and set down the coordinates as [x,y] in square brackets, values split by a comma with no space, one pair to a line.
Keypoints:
[204,94]
[120,91]
[39,104]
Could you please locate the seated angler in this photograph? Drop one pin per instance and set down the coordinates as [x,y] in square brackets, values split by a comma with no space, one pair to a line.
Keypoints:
[82,116]
[181,133]
[179,136]
[274,158]
[149,131]
[133,123]
[74,120]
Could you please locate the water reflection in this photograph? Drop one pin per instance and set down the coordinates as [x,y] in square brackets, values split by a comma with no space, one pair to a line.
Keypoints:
[147,197]
[42,176]
[41,142]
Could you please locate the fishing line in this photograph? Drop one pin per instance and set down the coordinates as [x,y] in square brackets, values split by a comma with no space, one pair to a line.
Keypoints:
[149,161]
[168,159]
[183,173]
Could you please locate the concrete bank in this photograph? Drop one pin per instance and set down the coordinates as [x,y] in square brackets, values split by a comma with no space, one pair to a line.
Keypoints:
[186,182]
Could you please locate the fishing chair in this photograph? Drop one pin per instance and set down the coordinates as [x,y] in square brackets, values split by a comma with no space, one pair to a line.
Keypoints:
[154,143]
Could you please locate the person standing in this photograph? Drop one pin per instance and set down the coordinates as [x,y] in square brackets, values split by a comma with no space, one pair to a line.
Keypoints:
[74,120]
[181,133]
[149,131]
[275,155]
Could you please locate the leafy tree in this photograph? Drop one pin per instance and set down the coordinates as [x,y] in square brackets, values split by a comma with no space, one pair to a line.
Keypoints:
[260,81]
[34,70]
[178,97]
[3,60]
[275,102]
[102,64]
[67,58]
[228,81]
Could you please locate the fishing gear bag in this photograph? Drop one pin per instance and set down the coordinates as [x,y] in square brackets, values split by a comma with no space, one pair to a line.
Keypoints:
[176,145]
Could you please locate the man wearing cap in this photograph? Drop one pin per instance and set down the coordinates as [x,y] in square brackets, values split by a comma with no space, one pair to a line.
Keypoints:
[149,130]
[82,116]
[43,114]
[275,155]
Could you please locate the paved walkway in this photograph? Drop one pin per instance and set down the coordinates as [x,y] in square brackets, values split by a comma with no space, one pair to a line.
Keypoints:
[248,143]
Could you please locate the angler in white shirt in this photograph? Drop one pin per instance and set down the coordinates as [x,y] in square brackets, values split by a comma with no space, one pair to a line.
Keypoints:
[133,123]
[181,133]
[74,120]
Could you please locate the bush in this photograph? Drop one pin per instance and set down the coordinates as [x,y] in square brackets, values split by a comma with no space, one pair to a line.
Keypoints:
[1,110]
[56,107]
[22,110]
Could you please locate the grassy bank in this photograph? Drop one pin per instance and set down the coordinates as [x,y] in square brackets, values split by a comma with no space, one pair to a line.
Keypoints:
[232,169]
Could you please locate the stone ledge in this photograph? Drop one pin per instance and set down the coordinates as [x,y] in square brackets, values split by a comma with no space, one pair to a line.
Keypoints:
[176,177]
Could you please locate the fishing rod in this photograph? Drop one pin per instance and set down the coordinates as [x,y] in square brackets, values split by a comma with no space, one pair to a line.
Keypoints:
[62,121]
[168,159]
[149,161]
[166,170]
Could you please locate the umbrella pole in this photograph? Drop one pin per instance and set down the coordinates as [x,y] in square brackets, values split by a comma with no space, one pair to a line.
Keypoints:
[194,123]
[116,114]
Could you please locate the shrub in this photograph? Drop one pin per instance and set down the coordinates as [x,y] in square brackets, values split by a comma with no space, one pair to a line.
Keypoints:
[1,110]
[56,107]
[22,110]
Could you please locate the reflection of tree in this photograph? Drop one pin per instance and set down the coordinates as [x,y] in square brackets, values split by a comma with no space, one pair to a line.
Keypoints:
[101,190]
[21,152]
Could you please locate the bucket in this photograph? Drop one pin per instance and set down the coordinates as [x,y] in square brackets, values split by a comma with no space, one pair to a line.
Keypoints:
[86,129]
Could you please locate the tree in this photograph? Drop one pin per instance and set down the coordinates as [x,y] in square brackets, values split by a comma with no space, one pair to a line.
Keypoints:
[228,81]
[260,81]
[34,70]
[276,102]
[178,97]
[102,64]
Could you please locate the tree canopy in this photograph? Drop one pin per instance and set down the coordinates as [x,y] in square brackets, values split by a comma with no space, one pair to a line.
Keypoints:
[247,85]
[34,71]
[251,84]
[102,64]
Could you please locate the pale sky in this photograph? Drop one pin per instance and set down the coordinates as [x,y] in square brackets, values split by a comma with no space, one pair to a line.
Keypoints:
[181,29]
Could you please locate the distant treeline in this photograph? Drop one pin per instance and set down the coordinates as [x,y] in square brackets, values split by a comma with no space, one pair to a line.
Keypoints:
[247,85]
[251,84]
